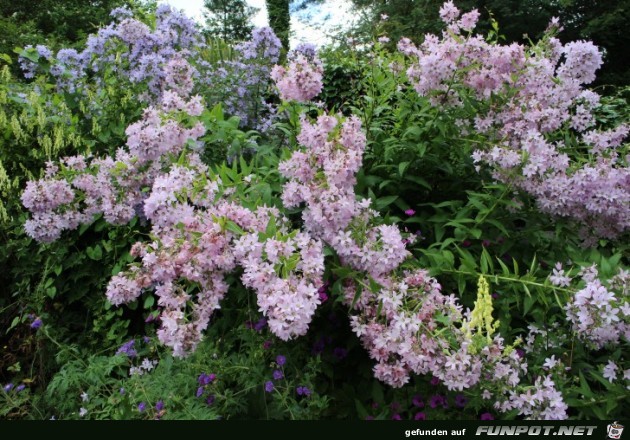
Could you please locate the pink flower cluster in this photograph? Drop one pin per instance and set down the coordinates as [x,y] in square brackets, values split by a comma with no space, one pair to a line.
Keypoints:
[528,94]
[80,189]
[301,81]
[286,273]
[404,321]
[541,401]
[323,176]
[600,314]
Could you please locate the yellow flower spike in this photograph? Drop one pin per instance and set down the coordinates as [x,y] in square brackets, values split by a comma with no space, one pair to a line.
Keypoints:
[481,319]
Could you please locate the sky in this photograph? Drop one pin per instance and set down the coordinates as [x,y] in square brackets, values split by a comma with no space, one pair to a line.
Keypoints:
[314,24]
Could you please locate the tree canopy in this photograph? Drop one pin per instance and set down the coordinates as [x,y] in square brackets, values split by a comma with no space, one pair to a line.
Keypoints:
[229,19]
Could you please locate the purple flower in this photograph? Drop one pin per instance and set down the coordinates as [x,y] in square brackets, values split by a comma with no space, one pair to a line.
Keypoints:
[435,381]
[210,400]
[20,387]
[417,401]
[128,349]
[199,392]
[122,391]
[277,375]
[269,386]
[260,325]
[141,407]
[160,405]
[321,292]
[318,347]
[340,352]
[437,400]
[460,401]
[486,416]
[410,212]
[303,391]
[420,416]
[486,243]
[37,323]
[396,417]
[281,360]
[267,344]
[206,379]
[466,243]
[8,387]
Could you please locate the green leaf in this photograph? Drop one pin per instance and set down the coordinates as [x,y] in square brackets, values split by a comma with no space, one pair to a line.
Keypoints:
[357,295]
[15,322]
[148,302]
[383,202]
[233,227]
[402,166]
[94,253]
[361,411]
[420,181]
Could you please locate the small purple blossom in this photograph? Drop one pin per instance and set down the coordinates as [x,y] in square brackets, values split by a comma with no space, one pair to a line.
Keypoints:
[303,391]
[8,387]
[277,375]
[435,381]
[267,344]
[410,212]
[37,323]
[486,416]
[199,392]
[160,405]
[142,406]
[206,379]
[210,400]
[461,401]
[396,417]
[438,400]
[260,325]
[20,387]
[340,352]
[281,360]
[269,387]
[417,401]
[128,349]
[420,416]
[321,292]
[121,391]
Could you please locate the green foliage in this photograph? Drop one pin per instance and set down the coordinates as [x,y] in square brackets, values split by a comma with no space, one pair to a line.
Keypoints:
[417,160]
[280,19]
[229,20]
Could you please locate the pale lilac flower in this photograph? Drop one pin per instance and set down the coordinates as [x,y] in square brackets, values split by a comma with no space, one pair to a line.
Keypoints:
[610,371]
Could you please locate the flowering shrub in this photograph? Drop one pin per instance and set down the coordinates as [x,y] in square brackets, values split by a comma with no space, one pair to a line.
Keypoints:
[521,96]
[259,275]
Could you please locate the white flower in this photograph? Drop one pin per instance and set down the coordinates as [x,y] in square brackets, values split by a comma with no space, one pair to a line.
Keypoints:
[83,412]
[550,362]
[610,371]
[84,396]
